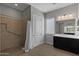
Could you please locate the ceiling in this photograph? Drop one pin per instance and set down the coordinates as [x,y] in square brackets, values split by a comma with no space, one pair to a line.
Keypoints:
[43,7]
[47,7]
[20,7]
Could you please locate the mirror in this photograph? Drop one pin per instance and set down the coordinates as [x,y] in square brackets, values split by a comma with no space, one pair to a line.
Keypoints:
[65,27]
[78,25]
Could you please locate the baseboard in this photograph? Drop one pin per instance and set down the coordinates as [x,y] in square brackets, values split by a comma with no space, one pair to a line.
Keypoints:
[23,48]
[49,43]
[37,44]
[26,50]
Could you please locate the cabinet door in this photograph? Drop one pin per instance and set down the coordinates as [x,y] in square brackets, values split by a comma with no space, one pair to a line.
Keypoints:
[61,42]
[75,45]
[68,44]
[58,42]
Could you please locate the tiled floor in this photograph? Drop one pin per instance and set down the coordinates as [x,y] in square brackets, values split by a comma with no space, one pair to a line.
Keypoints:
[41,50]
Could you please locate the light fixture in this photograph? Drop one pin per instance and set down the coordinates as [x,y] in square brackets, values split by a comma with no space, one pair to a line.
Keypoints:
[62,17]
[70,15]
[16,4]
[66,17]
[59,17]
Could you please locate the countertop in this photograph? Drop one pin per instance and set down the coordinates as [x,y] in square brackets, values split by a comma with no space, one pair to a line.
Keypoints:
[67,36]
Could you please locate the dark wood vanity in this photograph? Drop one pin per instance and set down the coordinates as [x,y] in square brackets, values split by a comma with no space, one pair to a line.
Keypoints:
[66,43]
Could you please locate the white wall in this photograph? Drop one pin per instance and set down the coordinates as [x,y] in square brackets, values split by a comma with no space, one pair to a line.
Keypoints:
[50,25]
[77,32]
[50,30]
[37,17]
[27,13]
[5,10]
[78,10]
[71,9]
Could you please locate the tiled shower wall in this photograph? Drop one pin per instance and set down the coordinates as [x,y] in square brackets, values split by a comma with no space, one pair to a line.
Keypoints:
[12,32]
[12,28]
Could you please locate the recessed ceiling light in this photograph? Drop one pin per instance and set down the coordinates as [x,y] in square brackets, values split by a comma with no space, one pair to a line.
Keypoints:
[16,4]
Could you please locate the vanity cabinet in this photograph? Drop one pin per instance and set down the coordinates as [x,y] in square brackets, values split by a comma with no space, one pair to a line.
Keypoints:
[69,44]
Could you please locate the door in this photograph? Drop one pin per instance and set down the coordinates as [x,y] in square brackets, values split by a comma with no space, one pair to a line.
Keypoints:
[50,30]
[37,30]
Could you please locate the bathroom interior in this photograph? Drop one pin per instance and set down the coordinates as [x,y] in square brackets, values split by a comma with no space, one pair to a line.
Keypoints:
[24,27]
[13,25]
